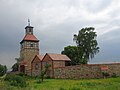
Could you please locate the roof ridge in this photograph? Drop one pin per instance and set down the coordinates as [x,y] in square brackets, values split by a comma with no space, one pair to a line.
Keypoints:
[58,56]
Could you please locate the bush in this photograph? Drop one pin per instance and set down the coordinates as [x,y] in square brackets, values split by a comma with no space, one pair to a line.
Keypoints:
[114,75]
[105,74]
[9,77]
[16,80]
[21,74]
[3,70]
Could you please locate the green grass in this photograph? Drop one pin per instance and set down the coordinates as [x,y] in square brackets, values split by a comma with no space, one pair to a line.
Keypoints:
[66,84]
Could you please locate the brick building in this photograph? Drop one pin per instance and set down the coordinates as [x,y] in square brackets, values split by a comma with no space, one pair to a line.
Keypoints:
[29,48]
[30,61]
[36,65]
[55,61]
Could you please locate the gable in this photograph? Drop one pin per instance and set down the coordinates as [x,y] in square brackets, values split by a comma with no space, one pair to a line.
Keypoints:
[46,58]
[36,59]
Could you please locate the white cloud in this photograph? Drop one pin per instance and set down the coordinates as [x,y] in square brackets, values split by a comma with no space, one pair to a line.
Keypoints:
[56,21]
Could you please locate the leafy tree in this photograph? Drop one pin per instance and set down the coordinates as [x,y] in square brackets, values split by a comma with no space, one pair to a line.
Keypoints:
[3,70]
[73,53]
[15,67]
[86,41]
[43,72]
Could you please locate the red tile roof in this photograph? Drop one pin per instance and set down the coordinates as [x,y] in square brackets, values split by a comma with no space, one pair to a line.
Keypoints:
[59,57]
[40,57]
[30,37]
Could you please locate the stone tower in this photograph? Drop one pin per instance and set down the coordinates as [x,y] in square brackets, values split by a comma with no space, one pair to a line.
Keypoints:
[29,48]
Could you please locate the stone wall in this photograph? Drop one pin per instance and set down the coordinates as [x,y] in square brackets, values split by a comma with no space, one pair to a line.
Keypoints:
[58,64]
[36,67]
[87,71]
[28,55]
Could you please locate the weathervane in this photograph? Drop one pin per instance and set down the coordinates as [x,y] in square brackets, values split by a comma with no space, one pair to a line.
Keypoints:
[28,22]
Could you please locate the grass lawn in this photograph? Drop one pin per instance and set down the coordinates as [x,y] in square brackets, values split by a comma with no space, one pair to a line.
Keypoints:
[66,84]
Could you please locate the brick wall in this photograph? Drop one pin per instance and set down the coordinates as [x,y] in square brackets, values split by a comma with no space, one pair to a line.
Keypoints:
[50,70]
[87,71]
[36,70]
[58,64]
[28,55]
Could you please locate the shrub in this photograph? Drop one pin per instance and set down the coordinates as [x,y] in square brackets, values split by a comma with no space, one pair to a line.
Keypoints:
[48,77]
[3,70]
[39,81]
[16,80]
[21,74]
[9,77]
[105,74]
[114,75]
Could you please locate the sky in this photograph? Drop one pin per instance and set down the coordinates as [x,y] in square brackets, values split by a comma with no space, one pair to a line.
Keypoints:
[55,22]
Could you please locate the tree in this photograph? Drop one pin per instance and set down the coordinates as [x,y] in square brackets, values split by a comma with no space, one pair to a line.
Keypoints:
[86,41]
[43,72]
[3,69]
[15,67]
[73,53]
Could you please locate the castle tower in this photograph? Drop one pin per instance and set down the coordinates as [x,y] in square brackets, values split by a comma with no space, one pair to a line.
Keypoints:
[29,48]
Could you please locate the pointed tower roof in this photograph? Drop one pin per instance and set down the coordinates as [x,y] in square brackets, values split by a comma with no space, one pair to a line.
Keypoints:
[30,37]
[29,34]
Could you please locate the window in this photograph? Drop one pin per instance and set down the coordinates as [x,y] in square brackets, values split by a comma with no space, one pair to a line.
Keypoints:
[36,66]
[30,30]
[31,45]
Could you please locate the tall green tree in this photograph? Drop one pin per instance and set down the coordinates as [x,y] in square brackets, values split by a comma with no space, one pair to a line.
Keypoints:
[86,41]
[73,53]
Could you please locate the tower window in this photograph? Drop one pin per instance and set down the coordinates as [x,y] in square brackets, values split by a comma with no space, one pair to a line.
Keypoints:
[31,45]
[30,30]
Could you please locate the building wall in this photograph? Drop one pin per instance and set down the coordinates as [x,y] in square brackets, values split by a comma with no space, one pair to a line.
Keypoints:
[36,70]
[53,64]
[48,60]
[58,64]
[28,55]
[86,71]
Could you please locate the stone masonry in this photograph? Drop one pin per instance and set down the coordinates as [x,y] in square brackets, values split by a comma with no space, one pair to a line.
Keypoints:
[87,71]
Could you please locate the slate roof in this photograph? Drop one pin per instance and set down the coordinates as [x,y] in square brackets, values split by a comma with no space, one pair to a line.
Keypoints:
[59,57]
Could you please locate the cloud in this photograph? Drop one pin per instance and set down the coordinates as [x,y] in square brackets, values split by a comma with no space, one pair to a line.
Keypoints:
[55,22]
[96,6]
